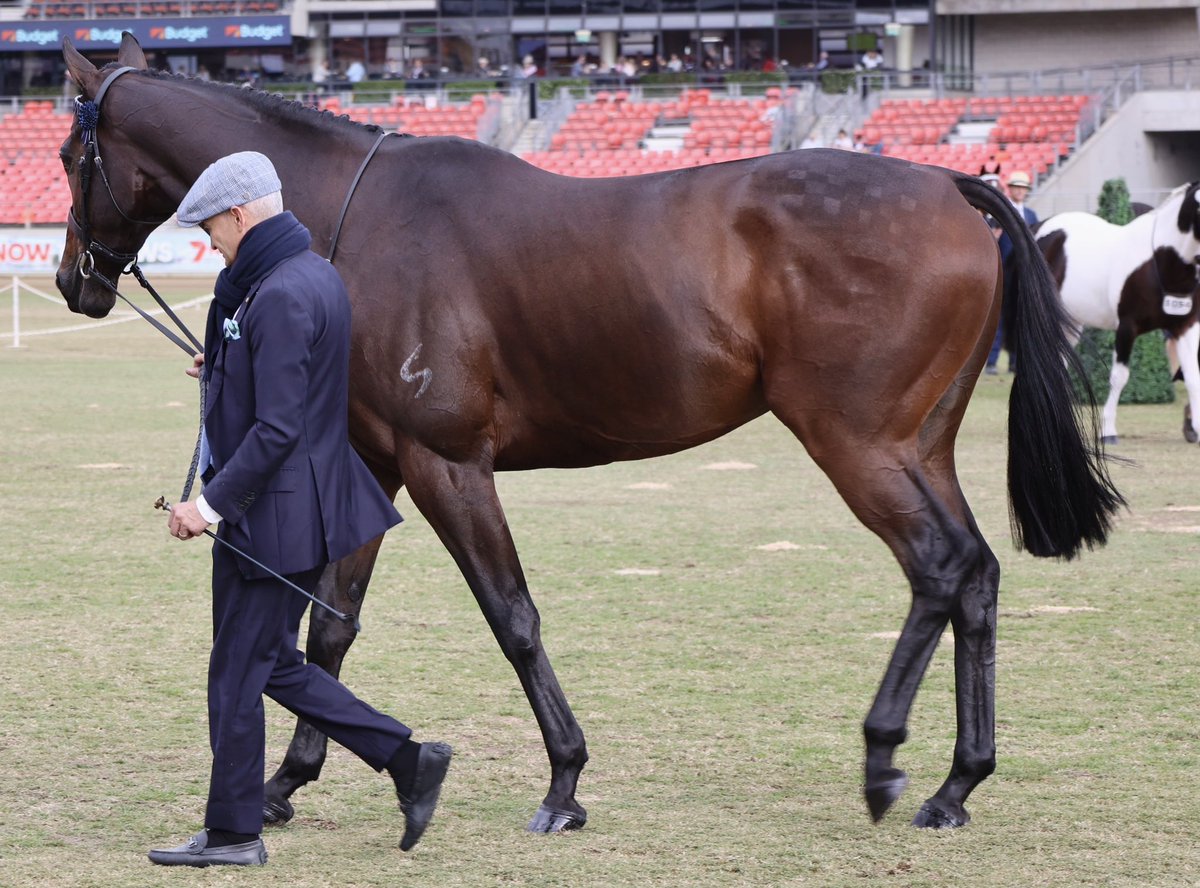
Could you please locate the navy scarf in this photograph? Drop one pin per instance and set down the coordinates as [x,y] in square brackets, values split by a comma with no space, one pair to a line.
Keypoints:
[262,248]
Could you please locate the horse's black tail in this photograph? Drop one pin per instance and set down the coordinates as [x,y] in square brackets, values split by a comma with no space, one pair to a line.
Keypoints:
[1059,492]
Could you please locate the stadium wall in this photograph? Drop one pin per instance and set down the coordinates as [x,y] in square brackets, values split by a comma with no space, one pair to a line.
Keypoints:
[1071,40]
[1153,142]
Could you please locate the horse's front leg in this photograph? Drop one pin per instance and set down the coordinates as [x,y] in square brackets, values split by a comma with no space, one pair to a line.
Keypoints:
[1189,365]
[460,502]
[343,586]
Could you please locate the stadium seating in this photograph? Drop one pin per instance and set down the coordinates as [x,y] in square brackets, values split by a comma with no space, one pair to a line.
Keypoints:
[96,9]
[412,115]
[605,137]
[32,186]
[1029,132]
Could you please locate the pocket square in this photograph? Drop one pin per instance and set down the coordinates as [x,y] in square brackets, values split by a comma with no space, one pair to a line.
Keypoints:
[232,330]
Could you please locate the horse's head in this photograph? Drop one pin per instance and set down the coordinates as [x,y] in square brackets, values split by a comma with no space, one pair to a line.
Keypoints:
[111,215]
[1188,221]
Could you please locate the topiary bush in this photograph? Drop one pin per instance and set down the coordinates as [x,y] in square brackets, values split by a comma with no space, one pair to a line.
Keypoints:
[1149,370]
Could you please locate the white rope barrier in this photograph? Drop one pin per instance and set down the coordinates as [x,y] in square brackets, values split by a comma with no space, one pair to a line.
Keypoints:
[120,316]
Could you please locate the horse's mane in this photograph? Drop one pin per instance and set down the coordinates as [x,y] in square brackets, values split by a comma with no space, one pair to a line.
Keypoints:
[274,105]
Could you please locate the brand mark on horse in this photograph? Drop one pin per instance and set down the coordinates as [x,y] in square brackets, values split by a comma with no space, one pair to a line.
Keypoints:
[424,374]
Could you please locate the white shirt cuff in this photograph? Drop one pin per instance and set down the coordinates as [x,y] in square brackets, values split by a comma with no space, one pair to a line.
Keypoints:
[207,511]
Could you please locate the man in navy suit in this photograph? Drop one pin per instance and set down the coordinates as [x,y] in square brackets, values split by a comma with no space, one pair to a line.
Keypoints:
[285,487]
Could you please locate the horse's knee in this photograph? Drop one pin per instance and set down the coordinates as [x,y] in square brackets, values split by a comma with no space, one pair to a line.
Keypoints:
[328,640]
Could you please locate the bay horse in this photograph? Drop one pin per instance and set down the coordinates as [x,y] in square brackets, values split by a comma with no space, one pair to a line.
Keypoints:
[1133,279]
[506,318]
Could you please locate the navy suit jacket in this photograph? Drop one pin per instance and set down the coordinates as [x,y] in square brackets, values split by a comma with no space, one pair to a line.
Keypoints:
[289,487]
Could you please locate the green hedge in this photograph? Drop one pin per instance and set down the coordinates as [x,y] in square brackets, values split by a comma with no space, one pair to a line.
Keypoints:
[1150,379]
[836,82]
[1149,372]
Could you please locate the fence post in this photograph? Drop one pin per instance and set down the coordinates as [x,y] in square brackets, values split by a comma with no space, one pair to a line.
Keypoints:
[16,284]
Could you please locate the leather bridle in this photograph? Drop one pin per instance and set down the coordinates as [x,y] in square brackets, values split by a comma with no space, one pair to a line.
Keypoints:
[88,115]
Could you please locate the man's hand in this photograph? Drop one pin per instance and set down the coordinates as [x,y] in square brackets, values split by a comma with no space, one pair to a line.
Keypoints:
[197,362]
[186,521]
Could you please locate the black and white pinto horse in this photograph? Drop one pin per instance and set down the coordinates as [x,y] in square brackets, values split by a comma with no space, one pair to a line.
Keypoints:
[1133,279]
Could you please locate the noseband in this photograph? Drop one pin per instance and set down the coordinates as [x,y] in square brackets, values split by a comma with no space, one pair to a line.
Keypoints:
[88,115]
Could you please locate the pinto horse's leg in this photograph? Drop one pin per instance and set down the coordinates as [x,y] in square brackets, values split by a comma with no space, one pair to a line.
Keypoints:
[460,502]
[343,585]
[1117,380]
[1189,364]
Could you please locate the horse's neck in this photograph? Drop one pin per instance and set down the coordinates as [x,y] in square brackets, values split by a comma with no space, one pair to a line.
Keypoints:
[299,156]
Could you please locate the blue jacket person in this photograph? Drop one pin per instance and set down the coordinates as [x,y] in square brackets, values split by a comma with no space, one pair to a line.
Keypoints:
[283,485]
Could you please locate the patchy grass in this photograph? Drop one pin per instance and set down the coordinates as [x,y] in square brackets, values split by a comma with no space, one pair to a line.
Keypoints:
[719,620]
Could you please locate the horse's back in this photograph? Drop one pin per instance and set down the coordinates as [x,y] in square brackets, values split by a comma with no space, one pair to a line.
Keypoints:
[1096,258]
[630,317]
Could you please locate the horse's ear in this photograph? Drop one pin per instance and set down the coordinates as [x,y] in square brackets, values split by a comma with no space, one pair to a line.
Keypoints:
[130,52]
[83,72]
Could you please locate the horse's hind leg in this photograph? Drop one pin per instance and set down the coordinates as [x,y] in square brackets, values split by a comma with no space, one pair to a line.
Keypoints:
[1118,377]
[343,585]
[460,502]
[1189,365]
[905,491]
[973,618]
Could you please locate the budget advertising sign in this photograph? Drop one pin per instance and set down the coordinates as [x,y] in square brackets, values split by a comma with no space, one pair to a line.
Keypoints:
[231,32]
[169,250]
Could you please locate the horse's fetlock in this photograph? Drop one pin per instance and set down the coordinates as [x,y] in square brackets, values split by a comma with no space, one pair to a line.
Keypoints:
[886,736]
[976,765]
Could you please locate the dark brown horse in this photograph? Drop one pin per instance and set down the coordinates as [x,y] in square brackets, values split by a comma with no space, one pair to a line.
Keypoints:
[507,318]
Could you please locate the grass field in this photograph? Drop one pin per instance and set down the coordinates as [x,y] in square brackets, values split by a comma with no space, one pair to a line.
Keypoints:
[718,620]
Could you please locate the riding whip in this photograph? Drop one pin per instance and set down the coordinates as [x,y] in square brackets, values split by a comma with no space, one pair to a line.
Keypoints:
[161,503]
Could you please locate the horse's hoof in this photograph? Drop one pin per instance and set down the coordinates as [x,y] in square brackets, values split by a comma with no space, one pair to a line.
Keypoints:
[882,794]
[554,820]
[277,812]
[1109,439]
[1189,433]
[934,816]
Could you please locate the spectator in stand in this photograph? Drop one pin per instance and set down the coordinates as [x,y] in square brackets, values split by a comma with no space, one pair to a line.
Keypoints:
[991,167]
[529,67]
[843,141]
[1019,185]
[356,72]
[579,66]
[321,73]
[675,63]
[418,72]
[201,73]
[872,60]
[483,67]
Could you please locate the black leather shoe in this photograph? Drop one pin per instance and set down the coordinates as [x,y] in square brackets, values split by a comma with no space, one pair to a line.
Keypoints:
[433,761]
[195,852]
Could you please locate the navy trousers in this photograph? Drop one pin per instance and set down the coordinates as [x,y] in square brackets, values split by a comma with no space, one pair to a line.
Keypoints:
[256,624]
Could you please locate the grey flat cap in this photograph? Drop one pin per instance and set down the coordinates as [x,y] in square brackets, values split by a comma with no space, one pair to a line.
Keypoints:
[232,181]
